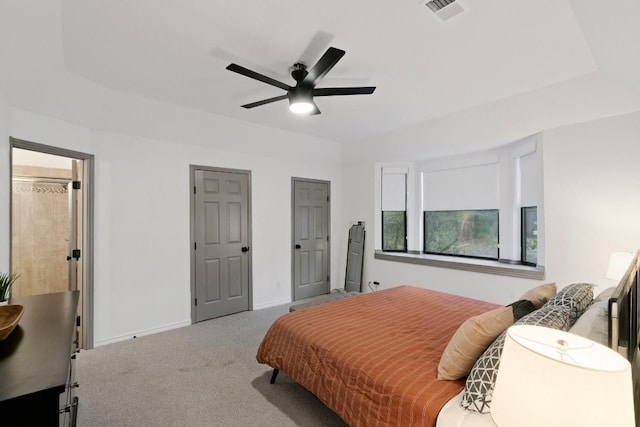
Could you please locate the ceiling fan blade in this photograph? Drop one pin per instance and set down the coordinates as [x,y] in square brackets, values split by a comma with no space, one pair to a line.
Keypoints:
[265,101]
[323,66]
[315,110]
[257,76]
[331,91]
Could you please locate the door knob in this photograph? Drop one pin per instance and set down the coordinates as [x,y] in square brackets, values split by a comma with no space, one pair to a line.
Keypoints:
[298,246]
[245,249]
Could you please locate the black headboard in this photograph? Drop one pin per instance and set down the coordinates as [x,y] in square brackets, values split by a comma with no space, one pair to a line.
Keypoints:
[623,322]
[623,313]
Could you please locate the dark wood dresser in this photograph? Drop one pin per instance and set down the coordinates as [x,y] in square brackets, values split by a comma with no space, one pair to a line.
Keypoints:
[36,363]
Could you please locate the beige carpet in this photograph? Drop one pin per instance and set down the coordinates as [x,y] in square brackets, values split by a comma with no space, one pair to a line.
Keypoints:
[201,375]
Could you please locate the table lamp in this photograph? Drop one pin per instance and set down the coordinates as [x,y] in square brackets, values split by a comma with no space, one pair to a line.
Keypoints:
[549,377]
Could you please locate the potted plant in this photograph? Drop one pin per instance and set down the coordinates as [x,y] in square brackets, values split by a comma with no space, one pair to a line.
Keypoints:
[6,282]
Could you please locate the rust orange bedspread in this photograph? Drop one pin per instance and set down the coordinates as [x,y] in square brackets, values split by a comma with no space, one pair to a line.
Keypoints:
[373,358]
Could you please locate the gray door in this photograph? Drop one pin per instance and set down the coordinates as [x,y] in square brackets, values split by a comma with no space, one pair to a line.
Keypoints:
[221,246]
[310,238]
[355,258]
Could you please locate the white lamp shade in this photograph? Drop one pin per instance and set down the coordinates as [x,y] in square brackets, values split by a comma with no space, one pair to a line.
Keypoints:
[618,264]
[587,384]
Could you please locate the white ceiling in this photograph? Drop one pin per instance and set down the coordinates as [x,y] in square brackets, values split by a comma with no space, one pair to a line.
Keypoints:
[177,52]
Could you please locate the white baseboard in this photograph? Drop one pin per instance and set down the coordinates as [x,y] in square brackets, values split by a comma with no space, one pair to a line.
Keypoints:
[142,333]
[152,331]
[271,304]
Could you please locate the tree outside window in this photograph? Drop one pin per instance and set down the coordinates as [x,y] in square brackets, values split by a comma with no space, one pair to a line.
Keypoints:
[530,235]
[470,233]
[394,231]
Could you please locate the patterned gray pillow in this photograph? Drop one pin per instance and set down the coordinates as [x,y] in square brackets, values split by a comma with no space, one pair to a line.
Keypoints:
[478,390]
[577,297]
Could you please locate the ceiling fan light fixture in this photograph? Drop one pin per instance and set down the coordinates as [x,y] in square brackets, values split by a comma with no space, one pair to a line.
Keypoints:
[300,101]
[301,95]
[300,106]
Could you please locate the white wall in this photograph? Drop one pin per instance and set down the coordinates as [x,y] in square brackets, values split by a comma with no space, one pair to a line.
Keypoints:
[584,157]
[142,251]
[5,180]
[592,196]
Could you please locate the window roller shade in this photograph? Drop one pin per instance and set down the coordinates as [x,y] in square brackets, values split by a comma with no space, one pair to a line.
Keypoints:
[394,187]
[464,188]
[528,180]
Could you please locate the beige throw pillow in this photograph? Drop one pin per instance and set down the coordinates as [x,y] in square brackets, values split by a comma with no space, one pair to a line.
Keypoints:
[540,294]
[470,340]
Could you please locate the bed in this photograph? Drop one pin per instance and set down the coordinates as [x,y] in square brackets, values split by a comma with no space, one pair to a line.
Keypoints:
[373,358]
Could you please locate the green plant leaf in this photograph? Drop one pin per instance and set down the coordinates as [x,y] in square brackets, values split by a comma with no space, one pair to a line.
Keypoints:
[6,282]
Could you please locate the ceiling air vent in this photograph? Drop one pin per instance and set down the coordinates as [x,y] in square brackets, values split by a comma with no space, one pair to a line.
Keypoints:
[444,9]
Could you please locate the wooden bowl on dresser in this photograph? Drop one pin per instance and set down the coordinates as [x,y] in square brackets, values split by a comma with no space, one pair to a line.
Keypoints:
[9,317]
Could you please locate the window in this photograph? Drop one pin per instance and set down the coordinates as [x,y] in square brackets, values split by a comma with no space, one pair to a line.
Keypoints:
[528,174]
[460,206]
[479,205]
[394,231]
[530,235]
[394,209]
[470,233]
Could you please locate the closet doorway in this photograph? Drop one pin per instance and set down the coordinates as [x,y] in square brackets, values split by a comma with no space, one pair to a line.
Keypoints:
[310,232]
[51,209]
[220,242]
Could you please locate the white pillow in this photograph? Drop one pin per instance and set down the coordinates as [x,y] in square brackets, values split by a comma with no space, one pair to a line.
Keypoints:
[605,294]
[594,323]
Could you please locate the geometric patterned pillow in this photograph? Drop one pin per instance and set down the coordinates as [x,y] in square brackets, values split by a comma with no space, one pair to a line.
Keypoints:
[577,297]
[478,390]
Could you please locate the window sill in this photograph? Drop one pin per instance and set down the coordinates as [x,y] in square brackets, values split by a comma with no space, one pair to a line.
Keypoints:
[467,264]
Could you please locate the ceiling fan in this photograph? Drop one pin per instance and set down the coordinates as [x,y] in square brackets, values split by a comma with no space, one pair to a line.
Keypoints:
[301,95]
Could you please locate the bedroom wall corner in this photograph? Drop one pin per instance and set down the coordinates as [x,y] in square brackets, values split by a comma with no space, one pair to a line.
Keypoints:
[5,184]
[358,205]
